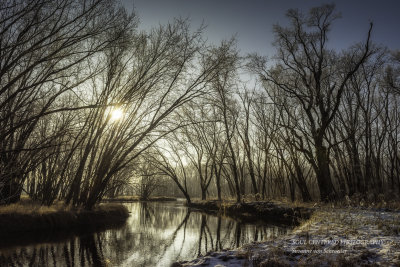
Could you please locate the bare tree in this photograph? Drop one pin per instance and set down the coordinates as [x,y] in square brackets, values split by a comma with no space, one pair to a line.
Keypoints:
[199,142]
[314,77]
[42,46]
[162,79]
[146,179]
[392,78]
[245,130]
[223,85]
[167,160]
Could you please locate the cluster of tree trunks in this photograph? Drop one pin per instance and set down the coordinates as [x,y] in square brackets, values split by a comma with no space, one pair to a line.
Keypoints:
[317,124]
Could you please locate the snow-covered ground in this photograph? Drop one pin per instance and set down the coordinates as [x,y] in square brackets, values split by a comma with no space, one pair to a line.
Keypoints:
[338,237]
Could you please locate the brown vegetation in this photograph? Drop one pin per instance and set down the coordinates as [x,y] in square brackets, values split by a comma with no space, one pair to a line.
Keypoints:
[265,211]
[28,217]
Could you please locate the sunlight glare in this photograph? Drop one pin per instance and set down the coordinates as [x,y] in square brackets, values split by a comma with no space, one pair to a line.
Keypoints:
[116,114]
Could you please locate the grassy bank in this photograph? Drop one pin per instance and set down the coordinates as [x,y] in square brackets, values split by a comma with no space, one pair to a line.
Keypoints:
[28,217]
[137,198]
[352,236]
[265,211]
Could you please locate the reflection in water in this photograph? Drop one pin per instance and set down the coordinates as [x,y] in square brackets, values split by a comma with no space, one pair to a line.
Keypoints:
[83,251]
[156,234]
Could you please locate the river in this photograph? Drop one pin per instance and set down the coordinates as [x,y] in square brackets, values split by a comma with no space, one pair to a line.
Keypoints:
[155,234]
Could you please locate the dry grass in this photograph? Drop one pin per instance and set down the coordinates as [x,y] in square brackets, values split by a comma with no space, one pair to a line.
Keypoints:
[28,216]
[30,208]
[386,202]
[266,211]
[122,199]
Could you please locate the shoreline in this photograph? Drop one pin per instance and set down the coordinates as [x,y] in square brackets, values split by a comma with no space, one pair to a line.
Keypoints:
[332,236]
[137,199]
[254,211]
[25,222]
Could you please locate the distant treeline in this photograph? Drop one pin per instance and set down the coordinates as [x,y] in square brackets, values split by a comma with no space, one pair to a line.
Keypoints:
[91,107]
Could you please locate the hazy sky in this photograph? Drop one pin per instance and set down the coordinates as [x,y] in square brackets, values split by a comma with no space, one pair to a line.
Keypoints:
[252,20]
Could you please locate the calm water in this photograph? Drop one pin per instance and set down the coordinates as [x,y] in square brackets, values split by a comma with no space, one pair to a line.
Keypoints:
[156,234]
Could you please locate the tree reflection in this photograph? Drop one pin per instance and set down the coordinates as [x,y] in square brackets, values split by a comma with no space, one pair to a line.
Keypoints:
[155,235]
[90,251]
[146,213]
[202,225]
[238,232]
[161,235]
[218,244]
[87,253]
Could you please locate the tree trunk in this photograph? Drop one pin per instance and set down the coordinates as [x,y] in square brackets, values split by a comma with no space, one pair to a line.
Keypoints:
[218,184]
[301,183]
[203,193]
[326,188]
[10,192]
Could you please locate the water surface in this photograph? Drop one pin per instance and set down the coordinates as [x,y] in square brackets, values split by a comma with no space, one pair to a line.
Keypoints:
[156,234]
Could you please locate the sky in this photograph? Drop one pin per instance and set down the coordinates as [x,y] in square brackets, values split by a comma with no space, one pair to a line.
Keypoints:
[252,21]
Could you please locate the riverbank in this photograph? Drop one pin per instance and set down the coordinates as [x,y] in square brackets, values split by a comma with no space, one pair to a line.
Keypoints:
[137,198]
[264,211]
[331,237]
[24,218]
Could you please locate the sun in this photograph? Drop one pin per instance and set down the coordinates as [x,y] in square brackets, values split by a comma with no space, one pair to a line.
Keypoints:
[116,114]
